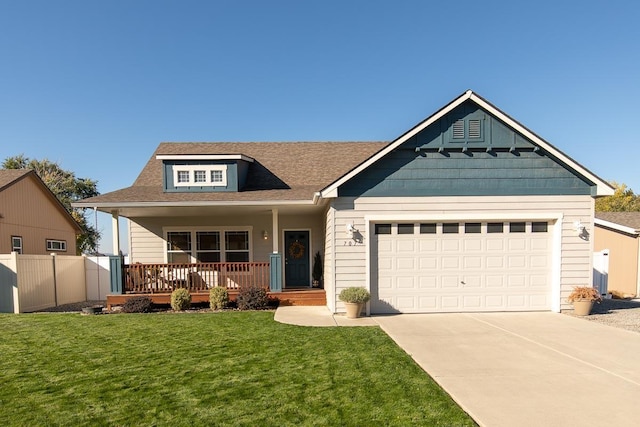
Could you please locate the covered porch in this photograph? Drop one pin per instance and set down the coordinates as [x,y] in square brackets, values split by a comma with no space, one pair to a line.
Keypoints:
[158,281]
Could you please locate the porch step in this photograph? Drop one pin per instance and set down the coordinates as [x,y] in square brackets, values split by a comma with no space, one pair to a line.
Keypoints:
[303,297]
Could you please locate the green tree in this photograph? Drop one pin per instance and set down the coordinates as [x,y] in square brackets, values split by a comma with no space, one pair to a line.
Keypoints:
[67,188]
[623,200]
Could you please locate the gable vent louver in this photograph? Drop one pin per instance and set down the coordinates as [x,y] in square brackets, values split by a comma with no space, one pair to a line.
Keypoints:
[474,128]
[458,129]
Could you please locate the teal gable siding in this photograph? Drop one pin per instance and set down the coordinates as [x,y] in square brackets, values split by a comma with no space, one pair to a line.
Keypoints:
[443,161]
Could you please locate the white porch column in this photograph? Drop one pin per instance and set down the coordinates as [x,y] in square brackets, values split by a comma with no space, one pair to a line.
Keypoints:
[275,228]
[115,228]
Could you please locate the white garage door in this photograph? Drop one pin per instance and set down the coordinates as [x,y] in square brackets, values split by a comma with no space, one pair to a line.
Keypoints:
[461,267]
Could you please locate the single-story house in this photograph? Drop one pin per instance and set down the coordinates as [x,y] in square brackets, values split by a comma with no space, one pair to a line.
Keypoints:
[32,219]
[618,233]
[466,211]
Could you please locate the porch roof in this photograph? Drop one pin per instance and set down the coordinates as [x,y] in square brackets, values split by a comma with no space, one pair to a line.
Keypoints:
[282,173]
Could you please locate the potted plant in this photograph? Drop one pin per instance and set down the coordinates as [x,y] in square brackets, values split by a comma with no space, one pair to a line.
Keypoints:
[354,299]
[316,273]
[583,298]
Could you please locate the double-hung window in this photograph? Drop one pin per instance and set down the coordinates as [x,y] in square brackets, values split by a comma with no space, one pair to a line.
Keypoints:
[189,246]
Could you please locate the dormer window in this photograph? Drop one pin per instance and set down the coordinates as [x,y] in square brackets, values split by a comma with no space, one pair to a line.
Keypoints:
[216,176]
[204,173]
[200,175]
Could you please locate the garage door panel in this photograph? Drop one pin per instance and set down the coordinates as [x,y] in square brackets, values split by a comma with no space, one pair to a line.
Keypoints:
[496,245]
[450,245]
[494,281]
[428,282]
[449,262]
[428,245]
[428,263]
[405,263]
[473,262]
[472,245]
[450,281]
[462,272]
[403,245]
[517,244]
[406,282]
[516,261]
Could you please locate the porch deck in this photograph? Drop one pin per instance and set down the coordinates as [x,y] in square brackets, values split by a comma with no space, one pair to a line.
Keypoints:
[157,281]
[288,297]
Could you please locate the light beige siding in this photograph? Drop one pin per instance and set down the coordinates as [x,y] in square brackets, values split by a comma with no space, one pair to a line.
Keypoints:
[573,265]
[147,241]
[329,256]
[623,259]
[28,212]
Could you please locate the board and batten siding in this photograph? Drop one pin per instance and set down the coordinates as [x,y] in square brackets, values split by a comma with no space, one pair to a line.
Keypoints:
[29,213]
[571,268]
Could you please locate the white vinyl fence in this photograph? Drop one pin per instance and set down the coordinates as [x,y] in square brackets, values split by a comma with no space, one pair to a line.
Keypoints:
[601,271]
[35,282]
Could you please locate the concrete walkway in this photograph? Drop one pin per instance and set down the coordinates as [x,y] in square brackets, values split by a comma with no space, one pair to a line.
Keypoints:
[318,316]
[515,369]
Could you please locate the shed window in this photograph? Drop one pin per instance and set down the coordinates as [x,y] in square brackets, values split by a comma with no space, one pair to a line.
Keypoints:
[56,245]
[16,244]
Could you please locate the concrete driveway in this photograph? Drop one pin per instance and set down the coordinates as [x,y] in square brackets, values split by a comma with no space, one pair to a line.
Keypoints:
[527,369]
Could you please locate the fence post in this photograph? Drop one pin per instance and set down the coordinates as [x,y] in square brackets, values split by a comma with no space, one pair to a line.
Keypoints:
[55,280]
[115,268]
[275,272]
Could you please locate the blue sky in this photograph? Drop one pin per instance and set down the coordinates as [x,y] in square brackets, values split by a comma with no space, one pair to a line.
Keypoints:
[96,85]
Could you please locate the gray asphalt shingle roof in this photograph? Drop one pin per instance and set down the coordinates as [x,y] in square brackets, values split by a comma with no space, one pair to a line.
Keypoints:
[280,171]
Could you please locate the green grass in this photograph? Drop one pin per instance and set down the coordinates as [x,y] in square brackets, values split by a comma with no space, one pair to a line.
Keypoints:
[227,368]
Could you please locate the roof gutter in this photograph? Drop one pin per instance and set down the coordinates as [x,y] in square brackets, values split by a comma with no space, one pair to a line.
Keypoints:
[616,226]
[117,205]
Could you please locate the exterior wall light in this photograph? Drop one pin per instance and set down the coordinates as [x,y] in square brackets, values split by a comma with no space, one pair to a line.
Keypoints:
[265,235]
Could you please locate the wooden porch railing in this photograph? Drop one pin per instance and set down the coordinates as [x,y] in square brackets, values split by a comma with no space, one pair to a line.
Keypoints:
[163,278]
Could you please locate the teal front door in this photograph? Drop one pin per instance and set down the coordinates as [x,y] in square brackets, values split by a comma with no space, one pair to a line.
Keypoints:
[296,259]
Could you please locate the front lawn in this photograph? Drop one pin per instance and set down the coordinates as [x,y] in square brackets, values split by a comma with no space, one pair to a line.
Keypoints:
[227,368]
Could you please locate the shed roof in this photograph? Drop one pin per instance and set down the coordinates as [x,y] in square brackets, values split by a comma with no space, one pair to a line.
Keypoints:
[625,219]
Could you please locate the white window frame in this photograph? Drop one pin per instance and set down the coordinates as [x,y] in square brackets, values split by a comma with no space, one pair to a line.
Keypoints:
[207,169]
[61,243]
[221,230]
[14,247]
